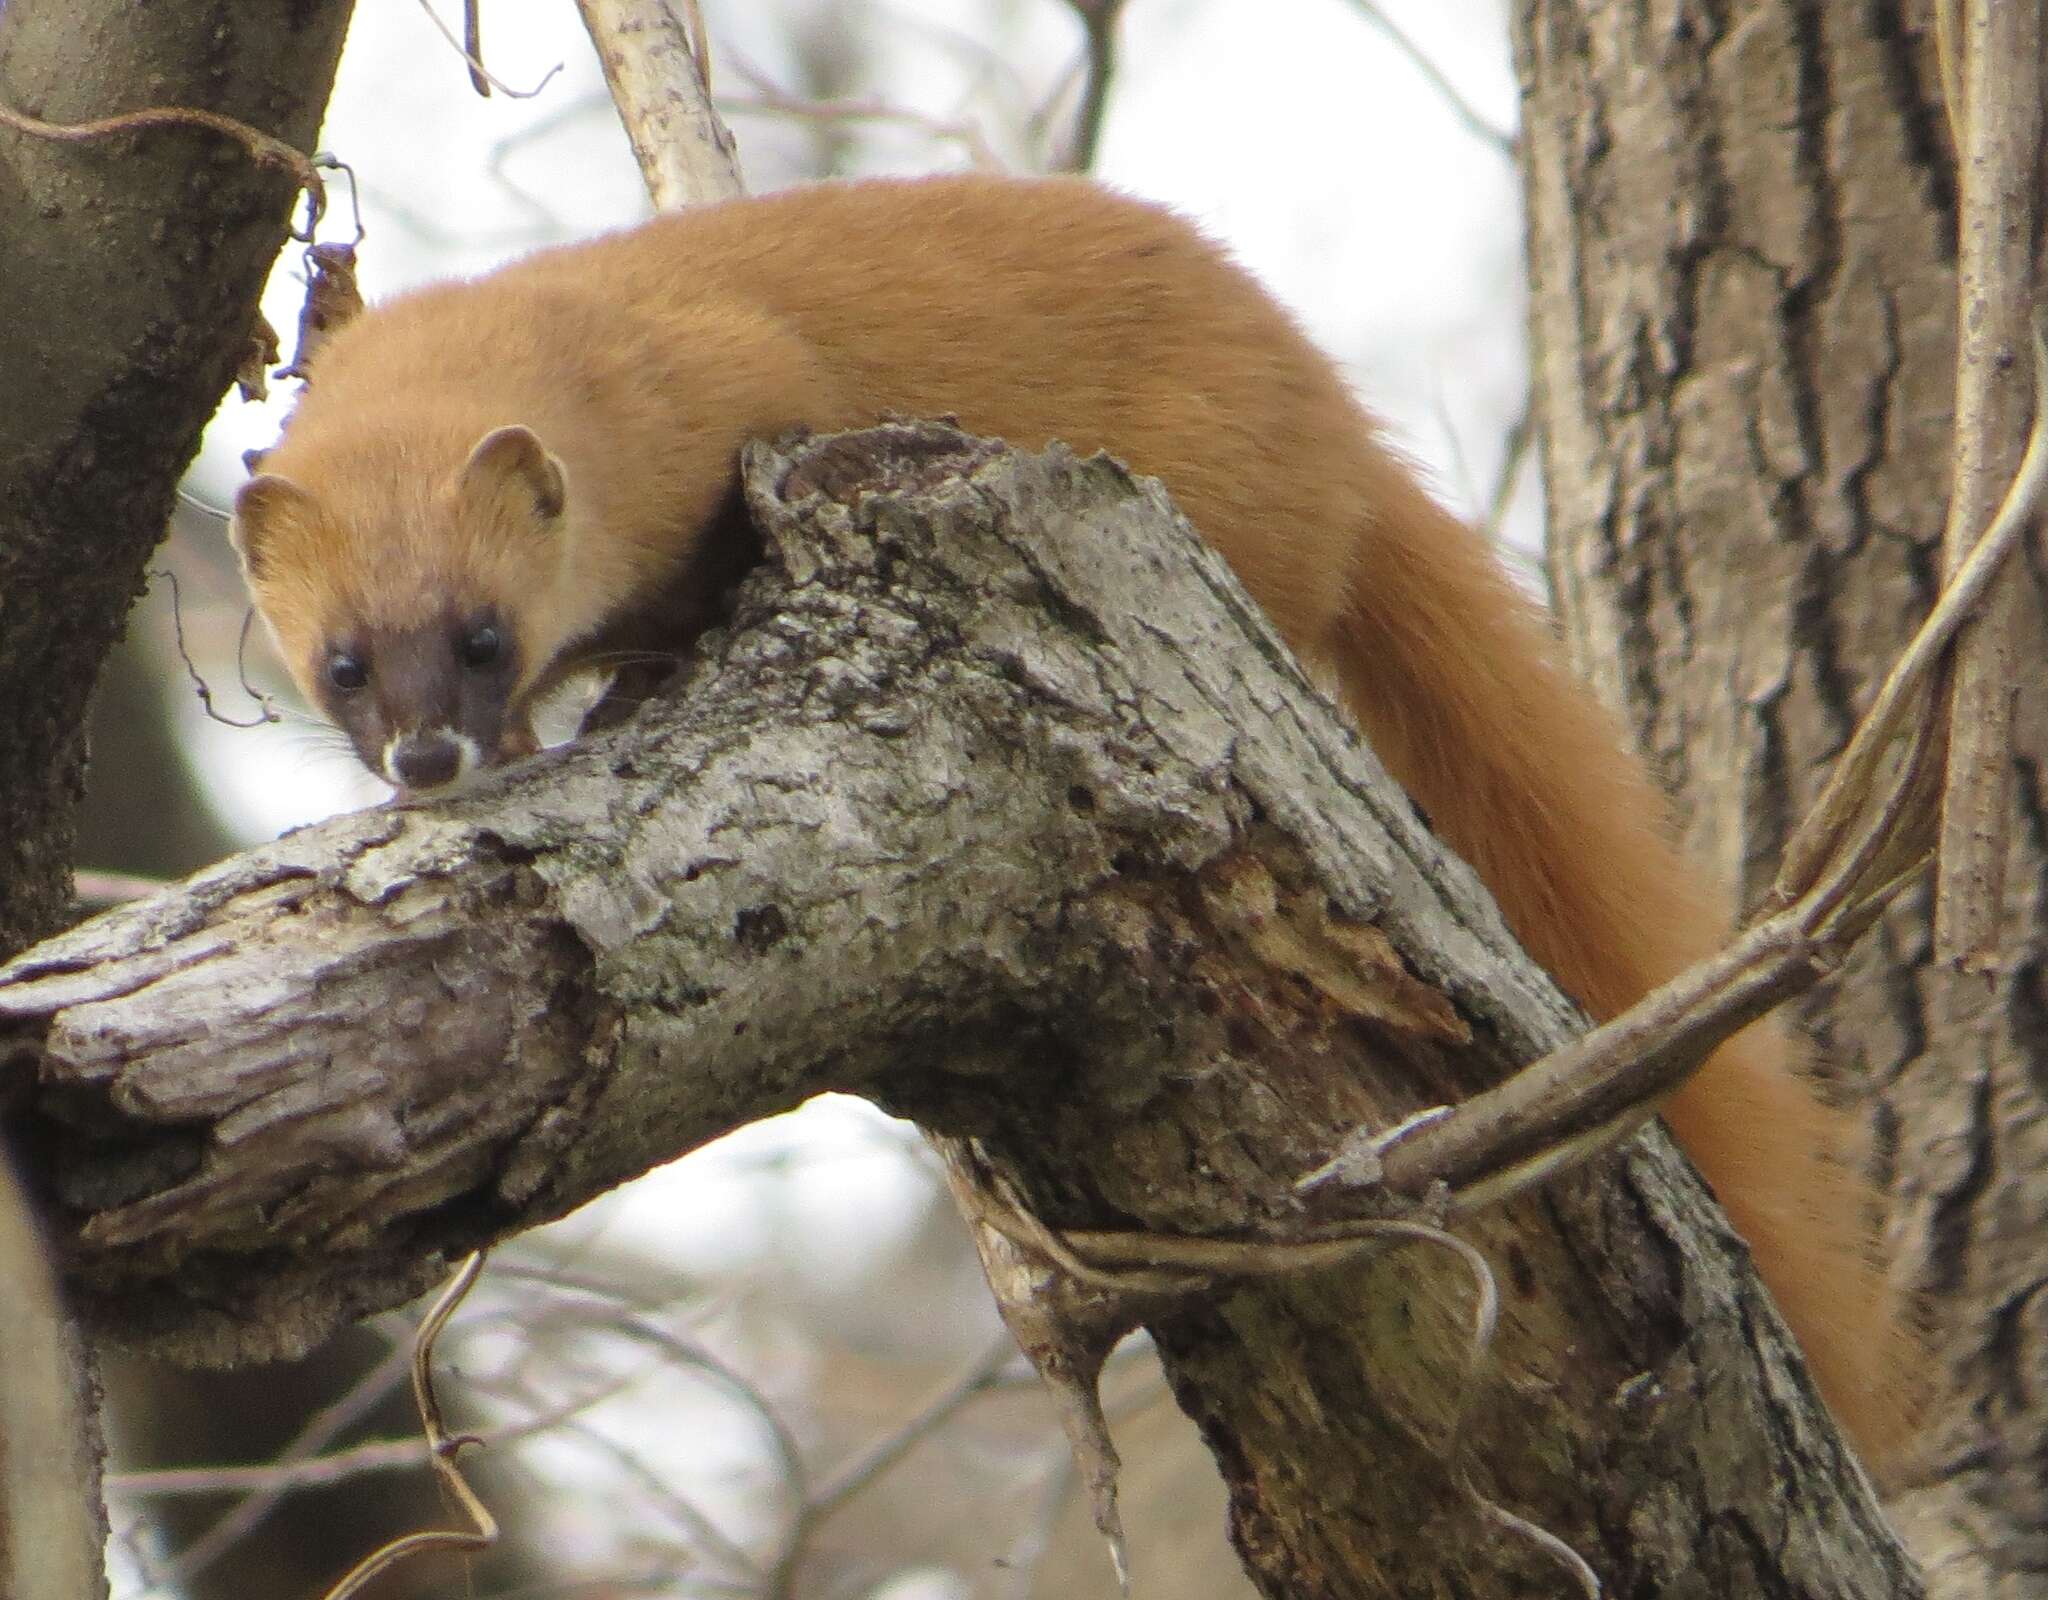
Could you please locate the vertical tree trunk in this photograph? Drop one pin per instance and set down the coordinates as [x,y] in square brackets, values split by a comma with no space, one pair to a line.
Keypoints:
[128,285]
[1741,231]
[127,292]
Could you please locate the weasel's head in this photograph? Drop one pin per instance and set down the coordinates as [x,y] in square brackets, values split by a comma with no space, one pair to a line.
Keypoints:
[415,605]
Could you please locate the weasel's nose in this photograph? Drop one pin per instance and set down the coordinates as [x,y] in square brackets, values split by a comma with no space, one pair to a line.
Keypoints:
[425,760]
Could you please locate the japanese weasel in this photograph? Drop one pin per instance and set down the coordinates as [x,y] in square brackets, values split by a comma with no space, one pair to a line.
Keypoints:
[489,484]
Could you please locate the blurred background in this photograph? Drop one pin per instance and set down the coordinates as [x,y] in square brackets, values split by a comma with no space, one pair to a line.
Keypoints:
[771,1369]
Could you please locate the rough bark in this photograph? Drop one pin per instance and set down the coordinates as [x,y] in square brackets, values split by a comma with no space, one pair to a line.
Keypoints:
[1108,897]
[1741,232]
[129,281]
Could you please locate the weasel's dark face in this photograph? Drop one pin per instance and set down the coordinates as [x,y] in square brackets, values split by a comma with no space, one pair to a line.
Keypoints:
[416,607]
[428,704]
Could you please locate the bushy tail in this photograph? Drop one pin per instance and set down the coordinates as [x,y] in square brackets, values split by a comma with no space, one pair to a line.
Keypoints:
[1458,683]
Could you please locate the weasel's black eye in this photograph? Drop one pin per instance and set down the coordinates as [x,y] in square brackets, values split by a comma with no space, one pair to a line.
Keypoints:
[480,646]
[347,672]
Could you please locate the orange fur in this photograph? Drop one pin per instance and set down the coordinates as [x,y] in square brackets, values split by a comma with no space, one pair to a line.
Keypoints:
[1037,311]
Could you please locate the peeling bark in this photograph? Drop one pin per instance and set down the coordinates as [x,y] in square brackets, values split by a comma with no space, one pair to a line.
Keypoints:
[1107,896]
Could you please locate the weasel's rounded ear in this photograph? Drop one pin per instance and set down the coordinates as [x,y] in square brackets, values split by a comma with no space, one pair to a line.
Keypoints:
[262,506]
[514,458]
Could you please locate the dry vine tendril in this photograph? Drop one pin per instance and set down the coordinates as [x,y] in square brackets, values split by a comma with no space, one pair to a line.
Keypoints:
[264,149]
[442,1448]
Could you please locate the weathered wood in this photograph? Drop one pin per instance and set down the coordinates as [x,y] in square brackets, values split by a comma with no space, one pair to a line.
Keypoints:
[1103,891]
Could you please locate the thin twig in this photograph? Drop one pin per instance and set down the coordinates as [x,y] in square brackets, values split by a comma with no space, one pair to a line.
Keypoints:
[270,1481]
[266,711]
[470,48]
[325,1425]
[1903,692]
[1099,20]
[498,161]
[1863,843]
[473,47]
[823,1503]
[1997,127]
[1029,1549]
[1134,1262]
[1520,435]
[788,1455]
[1478,125]
[884,1453]
[771,99]
[691,1521]
[328,161]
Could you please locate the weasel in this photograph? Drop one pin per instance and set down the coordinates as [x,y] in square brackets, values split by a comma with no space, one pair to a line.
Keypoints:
[489,484]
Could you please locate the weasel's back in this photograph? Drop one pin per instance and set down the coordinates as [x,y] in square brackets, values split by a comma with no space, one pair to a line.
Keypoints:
[1040,310]
[1048,306]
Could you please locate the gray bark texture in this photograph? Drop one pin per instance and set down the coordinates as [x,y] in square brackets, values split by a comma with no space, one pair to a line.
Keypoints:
[1742,227]
[1102,894]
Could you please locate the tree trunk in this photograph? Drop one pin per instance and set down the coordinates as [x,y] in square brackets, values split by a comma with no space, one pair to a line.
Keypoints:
[129,280]
[1742,253]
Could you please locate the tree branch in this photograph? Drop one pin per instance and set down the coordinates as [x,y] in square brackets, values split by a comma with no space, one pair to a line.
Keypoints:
[1103,894]
[1994,95]
[660,79]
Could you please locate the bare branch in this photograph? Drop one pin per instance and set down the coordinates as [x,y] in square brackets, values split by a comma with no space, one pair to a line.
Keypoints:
[470,48]
[1902,702]
[1997,123]
[1099,20]
[770,99]
[661,85]
[292,1089]
[268,1484]
[1865,838]
[1514,456]
[1475,123]
[442,1448]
